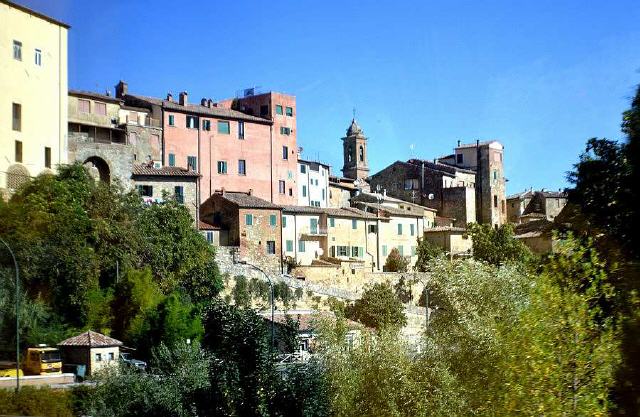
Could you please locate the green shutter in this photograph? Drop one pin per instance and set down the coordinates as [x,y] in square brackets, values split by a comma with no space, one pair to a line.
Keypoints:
[384,250]
[273,220]
[332,222]
[301,246]
[354,224]
[248,218]
[284,221]
[223,127]
[289,245]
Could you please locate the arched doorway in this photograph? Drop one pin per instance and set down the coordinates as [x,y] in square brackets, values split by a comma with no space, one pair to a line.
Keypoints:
[17,175]
[98,168]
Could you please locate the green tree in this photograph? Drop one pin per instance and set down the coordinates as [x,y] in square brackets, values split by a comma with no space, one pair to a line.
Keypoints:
[426,251]
[497,245]
[379,308]
[396,262]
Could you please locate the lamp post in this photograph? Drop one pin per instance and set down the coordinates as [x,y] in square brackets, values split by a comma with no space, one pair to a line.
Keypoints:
[244,262]
[15,264]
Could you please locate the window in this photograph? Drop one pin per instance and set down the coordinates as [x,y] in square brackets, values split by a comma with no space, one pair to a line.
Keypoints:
[495,201]
[47,157]
[273,220]
[323,194]
[361,153]
[100,108]
[354,224]
[303,169]
[384,250]
[98,357]
[264,110]
[206,125]
[343,251]
[285,152]
[271,247]
[289,111]
[412,229]
[84,106]
[459,158]
[411,184]
[332,222]
[281,187]
[289,245]
[223,127]
[209,237]
[301,247]
[133,138]
[38,57]
[172,120]
[242,167]
[372,228]
[192,162]
[179,194]
[284,221]
[495,174]
[222,167]
[401,250]
[172,159]
[278,109]
[304,190]
[503,206]
[18,156]
[192,122]
[285,130]
[240,130]
[413,251]
[17,50]
[145,190]
[248,219]
[16,110]
[313,226]
[400,228]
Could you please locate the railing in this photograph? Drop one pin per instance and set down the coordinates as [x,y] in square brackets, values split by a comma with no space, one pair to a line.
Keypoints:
[318,231]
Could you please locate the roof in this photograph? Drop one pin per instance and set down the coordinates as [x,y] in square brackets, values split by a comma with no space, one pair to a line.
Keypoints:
[524,194]
[354,129]
[385,197]
[392,210]
[246,200]
[334,212]
[206,226]
[165,171]
[473,145]
[530,193]
[221,112]
[534,228]
[34,13]
[308,320]
[439,166]
[445,229]
[94,95]
[307,161]
[91,339]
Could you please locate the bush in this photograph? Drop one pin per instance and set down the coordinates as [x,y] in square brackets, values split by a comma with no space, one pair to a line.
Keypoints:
[31,401]
[378,308]
[396,262]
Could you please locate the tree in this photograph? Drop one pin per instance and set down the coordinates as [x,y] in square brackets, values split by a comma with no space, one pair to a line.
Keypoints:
[497,245]
[426,252]
[378,308]
[396,262]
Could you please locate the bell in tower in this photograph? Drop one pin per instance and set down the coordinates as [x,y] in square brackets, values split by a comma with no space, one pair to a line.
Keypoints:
[355,153]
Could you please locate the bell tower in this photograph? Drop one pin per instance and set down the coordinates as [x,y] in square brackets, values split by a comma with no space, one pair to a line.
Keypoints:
[354,145]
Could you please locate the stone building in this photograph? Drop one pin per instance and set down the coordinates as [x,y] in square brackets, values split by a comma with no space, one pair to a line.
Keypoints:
[467,186]
[157,184]
[453,240]
[356,165]
[524,206]
[252,225]
[313,183]
[33,98]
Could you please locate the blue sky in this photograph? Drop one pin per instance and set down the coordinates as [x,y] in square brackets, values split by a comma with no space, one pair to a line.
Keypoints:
[542,77]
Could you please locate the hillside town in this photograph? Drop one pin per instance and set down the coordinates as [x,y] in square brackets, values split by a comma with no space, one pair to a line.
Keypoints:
[278,233]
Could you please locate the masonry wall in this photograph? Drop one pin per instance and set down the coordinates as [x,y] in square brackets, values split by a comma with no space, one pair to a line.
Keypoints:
[117,157]
[166,185]
[253,238]
[459,203]
[297,229]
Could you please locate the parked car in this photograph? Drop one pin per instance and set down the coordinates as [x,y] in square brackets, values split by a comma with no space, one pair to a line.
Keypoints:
[136,363]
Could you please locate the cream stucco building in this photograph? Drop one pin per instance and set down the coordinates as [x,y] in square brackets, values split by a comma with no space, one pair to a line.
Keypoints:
[33,94]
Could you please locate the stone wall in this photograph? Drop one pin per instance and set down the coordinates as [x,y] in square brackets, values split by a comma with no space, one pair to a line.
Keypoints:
[166,185]
[459,203]
[118,157]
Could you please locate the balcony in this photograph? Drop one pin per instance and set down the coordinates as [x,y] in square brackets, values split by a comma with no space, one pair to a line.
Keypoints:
[319,231]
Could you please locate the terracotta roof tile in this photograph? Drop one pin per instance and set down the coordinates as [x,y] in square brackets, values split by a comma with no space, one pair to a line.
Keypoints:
[245,200]
[91,339]
[165,171]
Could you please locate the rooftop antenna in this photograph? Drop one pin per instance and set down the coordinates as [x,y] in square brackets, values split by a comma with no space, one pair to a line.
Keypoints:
[354,113]
[412,148]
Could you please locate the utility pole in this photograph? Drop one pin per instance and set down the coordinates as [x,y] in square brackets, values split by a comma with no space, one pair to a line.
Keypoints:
[15,264]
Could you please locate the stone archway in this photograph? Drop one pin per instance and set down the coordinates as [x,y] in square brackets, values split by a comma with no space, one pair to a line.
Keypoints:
[99,168]
[17,175]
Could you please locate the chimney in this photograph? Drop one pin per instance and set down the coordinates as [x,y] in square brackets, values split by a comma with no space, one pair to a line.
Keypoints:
[477,143]
[209,103]
[458,143]
[107,92]
[203,102]
[121,89]
[170,97]
[184,98]
[250,191]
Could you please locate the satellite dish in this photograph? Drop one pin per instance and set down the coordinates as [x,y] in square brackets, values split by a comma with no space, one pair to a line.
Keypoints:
[430,196]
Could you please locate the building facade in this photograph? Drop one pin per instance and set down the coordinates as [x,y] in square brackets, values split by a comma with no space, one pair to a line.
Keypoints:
[33,103]
[355,153]
[530,204]
[313,184]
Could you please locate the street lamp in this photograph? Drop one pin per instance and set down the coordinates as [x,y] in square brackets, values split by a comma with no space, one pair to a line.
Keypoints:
[15,264]
[244,262]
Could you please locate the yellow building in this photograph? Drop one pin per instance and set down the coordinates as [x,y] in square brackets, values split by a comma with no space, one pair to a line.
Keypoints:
[33,94]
